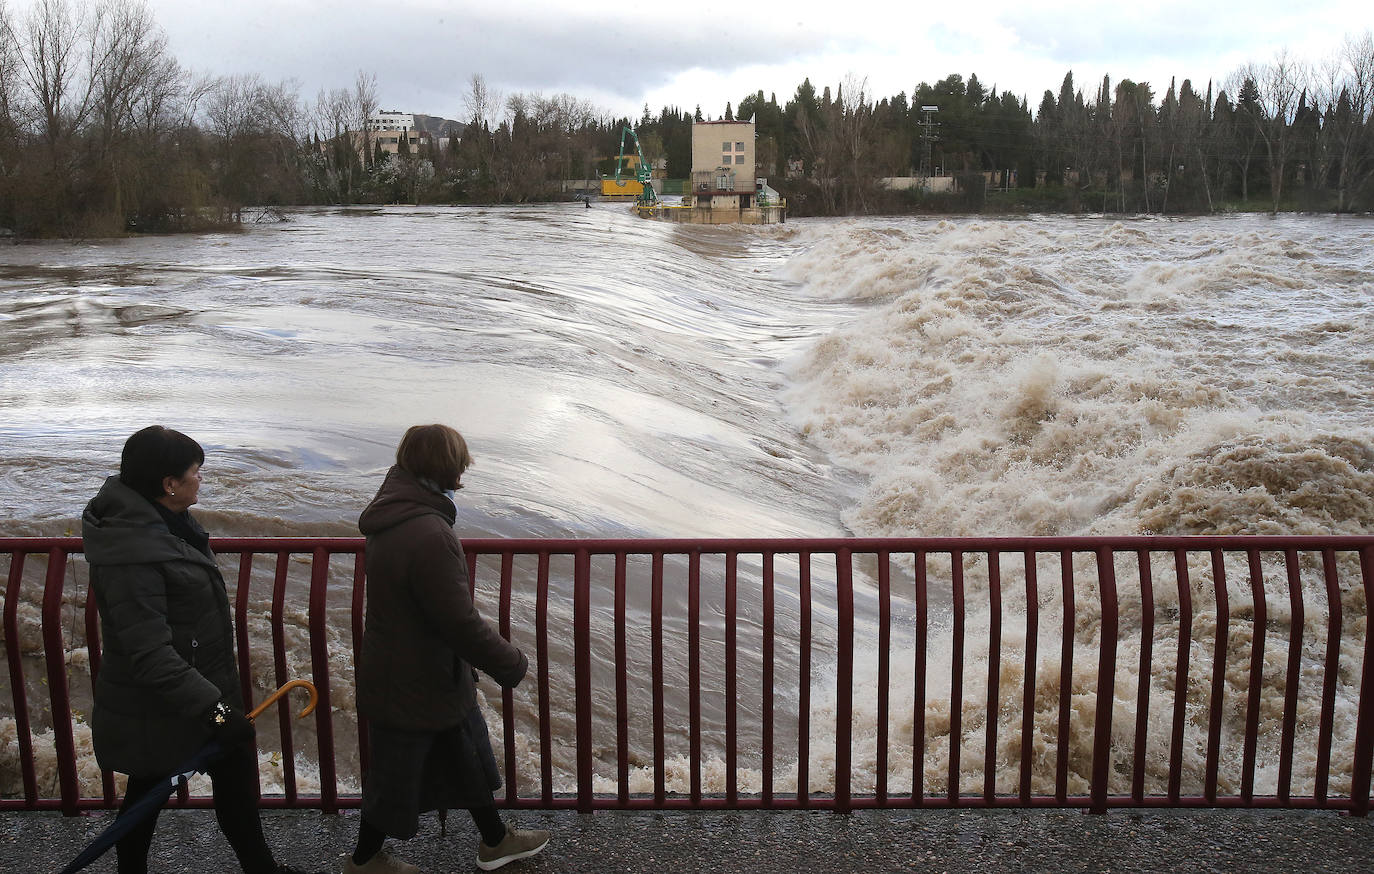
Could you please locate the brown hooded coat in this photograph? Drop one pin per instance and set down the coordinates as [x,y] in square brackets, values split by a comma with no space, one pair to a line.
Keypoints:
[423,634]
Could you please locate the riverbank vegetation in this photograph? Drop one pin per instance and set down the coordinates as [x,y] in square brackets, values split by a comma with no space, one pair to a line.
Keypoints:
[103,131]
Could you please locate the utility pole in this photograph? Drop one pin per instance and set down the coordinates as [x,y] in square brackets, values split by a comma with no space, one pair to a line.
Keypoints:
[929,138]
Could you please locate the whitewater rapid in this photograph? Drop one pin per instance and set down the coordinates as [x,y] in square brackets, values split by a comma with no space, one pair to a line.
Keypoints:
[1074,376]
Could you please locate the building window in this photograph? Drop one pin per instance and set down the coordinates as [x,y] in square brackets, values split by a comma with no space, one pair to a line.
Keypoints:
[739,147]
[725,147]
[739,159]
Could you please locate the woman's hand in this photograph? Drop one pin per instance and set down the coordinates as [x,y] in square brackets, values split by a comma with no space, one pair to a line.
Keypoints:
[230,727]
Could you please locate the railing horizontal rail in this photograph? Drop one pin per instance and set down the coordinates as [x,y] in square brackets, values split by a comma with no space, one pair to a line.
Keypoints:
[830,673]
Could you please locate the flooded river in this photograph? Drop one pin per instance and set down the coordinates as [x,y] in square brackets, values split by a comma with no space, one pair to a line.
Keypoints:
[615,377]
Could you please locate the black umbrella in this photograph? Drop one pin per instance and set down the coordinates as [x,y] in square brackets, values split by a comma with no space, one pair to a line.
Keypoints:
[144,806]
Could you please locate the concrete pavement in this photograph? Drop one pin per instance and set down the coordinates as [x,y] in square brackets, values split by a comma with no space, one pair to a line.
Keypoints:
[188,842]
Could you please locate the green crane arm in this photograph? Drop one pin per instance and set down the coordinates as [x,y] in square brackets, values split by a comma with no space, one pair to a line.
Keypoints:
[644,173]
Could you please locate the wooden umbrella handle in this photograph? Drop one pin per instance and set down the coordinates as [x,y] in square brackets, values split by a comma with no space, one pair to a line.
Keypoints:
[293,684]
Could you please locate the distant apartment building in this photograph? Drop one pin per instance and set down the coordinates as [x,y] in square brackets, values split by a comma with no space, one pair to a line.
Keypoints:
[391,120]
[386,128]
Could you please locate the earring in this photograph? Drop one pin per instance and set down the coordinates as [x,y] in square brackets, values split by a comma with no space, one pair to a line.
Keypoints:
[173,494]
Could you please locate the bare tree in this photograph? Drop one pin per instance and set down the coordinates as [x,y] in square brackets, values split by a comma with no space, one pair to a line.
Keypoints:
[1279,85]
[333,119]
[52,70]
[851,142]
[234,116]
[516,105]
[1347,89]
[364,107]
[480,101]
[129,63]
[232,107]
[10,100]
[282,111]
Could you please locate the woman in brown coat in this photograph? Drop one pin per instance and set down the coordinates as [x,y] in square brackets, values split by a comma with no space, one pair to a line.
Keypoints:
[422,640]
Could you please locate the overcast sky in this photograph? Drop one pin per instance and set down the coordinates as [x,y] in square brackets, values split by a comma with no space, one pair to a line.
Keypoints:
[621,56]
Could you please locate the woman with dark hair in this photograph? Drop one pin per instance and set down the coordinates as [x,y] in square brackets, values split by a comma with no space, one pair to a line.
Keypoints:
[423,642]
[168,682]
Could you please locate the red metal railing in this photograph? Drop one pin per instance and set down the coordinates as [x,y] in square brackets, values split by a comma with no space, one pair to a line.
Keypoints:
[839,673]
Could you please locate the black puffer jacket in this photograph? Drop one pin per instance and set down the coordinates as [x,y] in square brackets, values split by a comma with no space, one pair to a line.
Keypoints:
[167,637]
[423,631]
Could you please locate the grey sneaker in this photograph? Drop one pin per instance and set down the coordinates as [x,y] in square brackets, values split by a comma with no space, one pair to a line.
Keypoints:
[517,844]
[382,863]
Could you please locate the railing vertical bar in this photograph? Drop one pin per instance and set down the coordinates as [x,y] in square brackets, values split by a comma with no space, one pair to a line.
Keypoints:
[242,588]
[319,669]
[622,687]
[694,673]
[281,675]
[357,612]
[55,656]
[1292,678]
[244,654]
[884,673]
[918,692]
[1364,725]
[844,677]
[769,584]
[1259,617]
[994,676]
[1185,645]
[541,647]
[1145,672]
[1029,677]
[1330,674]
[956,677]
[1218,675]
[1061,762]
[107,782]
[17,688]
[804,681]
[582,638]
[731,692]
[512,790]
[1106,678]
[656,645]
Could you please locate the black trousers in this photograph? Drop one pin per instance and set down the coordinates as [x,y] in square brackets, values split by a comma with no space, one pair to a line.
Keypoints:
[234,778]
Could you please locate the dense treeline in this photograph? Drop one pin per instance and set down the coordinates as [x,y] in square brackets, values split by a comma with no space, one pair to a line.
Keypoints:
[103,131]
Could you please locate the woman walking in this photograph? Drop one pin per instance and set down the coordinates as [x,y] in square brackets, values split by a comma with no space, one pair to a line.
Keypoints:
[168,682]
[423,642]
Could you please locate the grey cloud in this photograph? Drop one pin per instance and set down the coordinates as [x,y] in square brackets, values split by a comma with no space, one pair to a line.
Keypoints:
[423,57]
[435,54]
[621,58]
[1117,42]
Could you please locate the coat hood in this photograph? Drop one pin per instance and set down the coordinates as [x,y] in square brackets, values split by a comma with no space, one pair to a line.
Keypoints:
[120,526]
[401,498]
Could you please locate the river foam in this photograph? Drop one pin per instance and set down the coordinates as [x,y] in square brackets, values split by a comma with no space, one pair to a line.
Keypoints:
[1062,377]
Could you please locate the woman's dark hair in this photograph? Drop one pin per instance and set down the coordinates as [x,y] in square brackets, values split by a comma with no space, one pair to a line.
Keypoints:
[153,454]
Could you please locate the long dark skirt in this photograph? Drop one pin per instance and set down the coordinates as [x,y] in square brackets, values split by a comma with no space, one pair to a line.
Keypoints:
[414,772]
